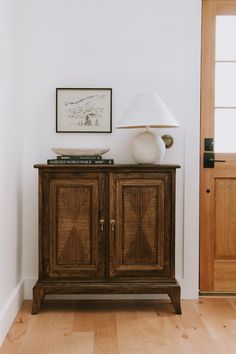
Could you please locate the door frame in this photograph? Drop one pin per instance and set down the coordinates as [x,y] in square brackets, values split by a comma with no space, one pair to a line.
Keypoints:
[207,104]
[210,9]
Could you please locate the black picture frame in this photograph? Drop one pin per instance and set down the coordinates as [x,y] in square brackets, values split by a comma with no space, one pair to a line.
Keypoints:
[83,110]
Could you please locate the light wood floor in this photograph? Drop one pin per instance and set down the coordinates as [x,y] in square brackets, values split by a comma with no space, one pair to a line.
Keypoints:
[110,327]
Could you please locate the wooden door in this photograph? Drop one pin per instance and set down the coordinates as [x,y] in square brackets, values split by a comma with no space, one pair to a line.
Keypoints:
[218,117]
[140,225]
[73,230]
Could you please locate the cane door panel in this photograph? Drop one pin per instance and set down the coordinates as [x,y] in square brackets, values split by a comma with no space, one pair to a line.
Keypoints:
[73,227]
[140,226]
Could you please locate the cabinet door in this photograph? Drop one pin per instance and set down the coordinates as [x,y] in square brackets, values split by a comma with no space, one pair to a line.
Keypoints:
[72,236]
[141,225]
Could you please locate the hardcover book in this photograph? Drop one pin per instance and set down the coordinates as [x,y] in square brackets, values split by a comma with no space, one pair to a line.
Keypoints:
[73,157]
[80,162]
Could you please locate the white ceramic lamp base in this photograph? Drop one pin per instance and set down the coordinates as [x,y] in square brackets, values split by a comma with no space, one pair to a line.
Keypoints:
[148,148]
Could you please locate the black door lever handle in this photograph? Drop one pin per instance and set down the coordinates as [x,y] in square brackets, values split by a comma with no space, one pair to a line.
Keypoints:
[215,160]
[209,160]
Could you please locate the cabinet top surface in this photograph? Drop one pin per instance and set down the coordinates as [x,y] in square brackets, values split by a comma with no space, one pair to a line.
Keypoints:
[107,167]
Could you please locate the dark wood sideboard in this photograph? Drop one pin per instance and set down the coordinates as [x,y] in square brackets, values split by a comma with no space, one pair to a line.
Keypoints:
[107,229]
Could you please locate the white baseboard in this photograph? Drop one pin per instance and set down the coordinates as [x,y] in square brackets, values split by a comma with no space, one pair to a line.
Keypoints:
[28,286]
[10,309]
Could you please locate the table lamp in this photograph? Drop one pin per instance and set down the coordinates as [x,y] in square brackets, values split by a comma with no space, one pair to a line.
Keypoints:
[147,110]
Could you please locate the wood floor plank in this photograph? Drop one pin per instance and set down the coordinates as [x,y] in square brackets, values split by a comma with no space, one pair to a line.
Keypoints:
[84,317]
[177,337]
[125,327]
[207,310]
[80,343]
[232,302]
[154,331]
[100,318]
[191,319]
[225,315]
[48,331]
[129,328]
[17,332]
[105,335]
[201,342]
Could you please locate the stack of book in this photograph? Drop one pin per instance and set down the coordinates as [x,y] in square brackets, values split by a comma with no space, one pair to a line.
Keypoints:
[80,160]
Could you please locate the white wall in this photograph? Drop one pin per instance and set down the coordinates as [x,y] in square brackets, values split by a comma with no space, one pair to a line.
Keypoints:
[130,46]
[10,167]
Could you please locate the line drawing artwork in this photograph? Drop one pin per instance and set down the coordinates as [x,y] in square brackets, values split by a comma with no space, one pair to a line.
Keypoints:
[85,112]
[81,110]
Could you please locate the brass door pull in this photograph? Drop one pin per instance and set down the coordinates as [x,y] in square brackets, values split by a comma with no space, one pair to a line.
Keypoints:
[113,225]
[102,222]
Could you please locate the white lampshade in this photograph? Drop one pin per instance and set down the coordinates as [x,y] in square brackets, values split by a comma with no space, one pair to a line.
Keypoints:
[147,110]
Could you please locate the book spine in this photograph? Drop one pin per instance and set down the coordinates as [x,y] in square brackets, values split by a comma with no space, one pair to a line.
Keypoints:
[104,161]
[79,157]
[80,162]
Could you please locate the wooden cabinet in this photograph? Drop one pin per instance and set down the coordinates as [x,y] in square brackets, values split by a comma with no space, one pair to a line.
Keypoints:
[106,230]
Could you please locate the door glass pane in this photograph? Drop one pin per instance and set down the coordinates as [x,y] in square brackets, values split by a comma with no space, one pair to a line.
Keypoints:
[225,38]
[225,128]
[225,84]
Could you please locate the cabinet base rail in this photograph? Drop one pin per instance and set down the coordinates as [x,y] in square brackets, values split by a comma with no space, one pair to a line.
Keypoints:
[43,288]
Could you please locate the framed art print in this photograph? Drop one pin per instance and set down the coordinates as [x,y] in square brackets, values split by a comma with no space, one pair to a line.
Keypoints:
[83,110]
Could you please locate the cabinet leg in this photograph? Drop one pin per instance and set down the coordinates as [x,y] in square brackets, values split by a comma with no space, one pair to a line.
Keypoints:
[38,295]
[174,295]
